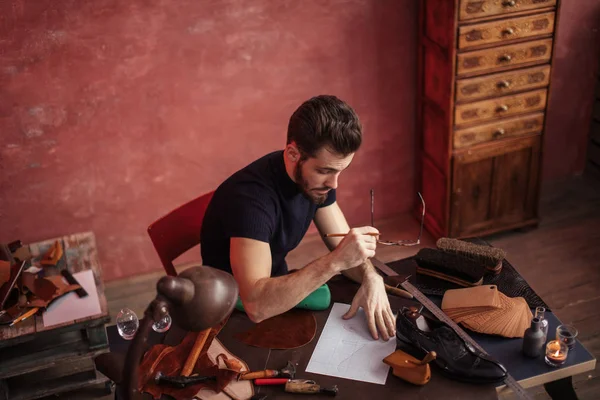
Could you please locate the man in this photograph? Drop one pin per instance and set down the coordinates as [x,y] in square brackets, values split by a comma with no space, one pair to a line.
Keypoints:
[263,211]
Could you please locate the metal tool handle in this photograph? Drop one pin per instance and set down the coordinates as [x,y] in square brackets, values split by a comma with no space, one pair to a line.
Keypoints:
[181,381]
[398,292]
[330,391]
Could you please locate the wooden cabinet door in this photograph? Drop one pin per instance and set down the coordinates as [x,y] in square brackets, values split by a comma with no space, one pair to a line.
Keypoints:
[495,187]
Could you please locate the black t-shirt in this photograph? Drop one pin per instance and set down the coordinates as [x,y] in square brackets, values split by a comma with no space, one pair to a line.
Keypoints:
[258,202]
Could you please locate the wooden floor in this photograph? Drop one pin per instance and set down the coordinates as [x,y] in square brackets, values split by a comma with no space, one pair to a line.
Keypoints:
[560,259]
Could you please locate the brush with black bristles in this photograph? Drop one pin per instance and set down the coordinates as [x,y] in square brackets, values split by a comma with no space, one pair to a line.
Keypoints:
[488,257]
[450,267]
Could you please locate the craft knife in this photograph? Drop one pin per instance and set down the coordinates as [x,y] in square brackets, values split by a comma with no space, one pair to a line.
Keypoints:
[81,292]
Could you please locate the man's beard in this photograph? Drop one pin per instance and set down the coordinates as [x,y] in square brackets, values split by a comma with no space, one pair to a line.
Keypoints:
[302,184]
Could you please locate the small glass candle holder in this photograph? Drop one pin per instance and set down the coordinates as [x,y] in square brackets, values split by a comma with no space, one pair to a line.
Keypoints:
[163,325]
[567,334]
[127,323]
[556,353]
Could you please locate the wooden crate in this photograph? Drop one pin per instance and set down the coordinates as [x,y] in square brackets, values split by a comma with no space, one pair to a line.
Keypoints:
[38,361]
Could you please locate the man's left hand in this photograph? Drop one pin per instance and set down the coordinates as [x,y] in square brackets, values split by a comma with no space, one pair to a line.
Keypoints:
[373,299]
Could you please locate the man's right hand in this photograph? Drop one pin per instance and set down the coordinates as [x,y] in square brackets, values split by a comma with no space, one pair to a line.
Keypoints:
[356,247]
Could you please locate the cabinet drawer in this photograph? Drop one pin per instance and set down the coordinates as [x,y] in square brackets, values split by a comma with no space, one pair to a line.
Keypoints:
[505,30]
[500,107]
[470,9]
[502,83]
[503,128]
[504,56]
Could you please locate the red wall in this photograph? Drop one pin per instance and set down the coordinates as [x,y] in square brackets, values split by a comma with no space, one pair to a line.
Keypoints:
[576,57]
[113,112]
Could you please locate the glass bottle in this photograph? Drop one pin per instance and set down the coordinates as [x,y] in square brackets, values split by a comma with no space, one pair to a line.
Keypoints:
[540,314]
[533,339]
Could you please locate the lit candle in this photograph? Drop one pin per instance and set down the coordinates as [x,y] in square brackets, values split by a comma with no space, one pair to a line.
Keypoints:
[556,353]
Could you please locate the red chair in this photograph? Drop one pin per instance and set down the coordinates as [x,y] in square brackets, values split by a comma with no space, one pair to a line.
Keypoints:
[178,231]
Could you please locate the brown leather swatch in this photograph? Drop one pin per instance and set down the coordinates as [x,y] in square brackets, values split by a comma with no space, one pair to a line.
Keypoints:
[42,288]
[170,360]
[289,330]
[47,289]
[4,271]
[236,389]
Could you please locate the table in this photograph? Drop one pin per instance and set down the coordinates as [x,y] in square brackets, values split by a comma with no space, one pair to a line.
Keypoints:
[57,358]
[342,290]
[527,371]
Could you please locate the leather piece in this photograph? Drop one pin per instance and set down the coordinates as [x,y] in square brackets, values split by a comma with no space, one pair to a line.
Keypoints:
[170,360]
[289,330]
[51,288]
[9,290]
[509,282]
[236,389]
[4,271]
[39,292]
[42,288]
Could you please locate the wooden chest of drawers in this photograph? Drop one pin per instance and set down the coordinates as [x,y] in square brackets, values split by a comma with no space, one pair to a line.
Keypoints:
[484,82]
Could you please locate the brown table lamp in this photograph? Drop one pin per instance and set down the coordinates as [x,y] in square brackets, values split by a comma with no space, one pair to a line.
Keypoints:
[196,299]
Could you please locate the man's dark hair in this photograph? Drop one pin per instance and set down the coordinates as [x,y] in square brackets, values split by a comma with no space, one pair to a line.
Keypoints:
[325,121]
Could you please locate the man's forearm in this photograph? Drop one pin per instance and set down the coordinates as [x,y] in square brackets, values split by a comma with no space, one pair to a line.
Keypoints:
[358,273]
[274,296]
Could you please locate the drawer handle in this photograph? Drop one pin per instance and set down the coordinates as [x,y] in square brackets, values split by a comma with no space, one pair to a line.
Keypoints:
[510,3]
[502,108]
[508,31]
[503,84]
[499,132]
[505,58]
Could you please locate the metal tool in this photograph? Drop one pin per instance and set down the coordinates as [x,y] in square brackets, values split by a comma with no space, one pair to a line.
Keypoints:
[72,281]
[372,208]
[509,381]
[390,272]
[306,386]
[181,381]
[289,371]
[258,396]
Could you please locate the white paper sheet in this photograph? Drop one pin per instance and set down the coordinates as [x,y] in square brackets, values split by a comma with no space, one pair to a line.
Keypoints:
[346,349]
[70,307]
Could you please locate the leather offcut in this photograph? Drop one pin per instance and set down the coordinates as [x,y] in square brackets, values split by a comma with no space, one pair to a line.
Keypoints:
[169,360]
[289,330]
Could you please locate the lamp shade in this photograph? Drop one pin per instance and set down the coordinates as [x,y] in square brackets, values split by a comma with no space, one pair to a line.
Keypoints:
[201,297]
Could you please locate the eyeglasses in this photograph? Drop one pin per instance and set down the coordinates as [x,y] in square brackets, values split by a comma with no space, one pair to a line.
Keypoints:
[399,242]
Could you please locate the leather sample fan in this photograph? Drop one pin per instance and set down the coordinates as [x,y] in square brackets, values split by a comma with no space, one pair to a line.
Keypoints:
[486,310]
